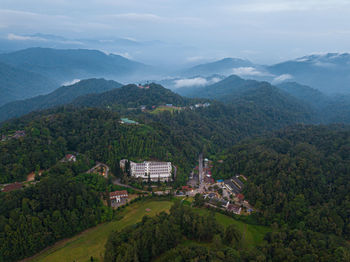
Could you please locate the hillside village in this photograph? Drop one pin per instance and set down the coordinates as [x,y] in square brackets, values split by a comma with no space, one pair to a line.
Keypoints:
[155,177]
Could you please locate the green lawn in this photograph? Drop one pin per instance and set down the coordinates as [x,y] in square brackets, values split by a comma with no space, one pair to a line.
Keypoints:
[91,242]
[161,109]
[252,234]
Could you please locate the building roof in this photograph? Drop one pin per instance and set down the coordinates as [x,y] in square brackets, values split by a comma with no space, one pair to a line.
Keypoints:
[240,196]
[233,187]
[11,187]
[118,193]
[233,208]
[238,182]
[187,188]
[128,121]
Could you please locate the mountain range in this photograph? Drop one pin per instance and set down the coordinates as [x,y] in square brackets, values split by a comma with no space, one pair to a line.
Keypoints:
[67,65]
[329,73]
[288,100]
[37,71]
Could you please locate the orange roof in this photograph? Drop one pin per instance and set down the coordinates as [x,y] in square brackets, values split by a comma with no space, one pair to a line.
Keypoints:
[118,193]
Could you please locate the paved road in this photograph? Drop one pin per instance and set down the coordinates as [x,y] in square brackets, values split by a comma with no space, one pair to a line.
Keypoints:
[115,181]
[98,165]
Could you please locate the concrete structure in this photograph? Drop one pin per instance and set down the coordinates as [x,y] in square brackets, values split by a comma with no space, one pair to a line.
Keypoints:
[154,170]
[118,196]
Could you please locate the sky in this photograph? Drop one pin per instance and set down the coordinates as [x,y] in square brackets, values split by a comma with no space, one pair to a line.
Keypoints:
[192,31]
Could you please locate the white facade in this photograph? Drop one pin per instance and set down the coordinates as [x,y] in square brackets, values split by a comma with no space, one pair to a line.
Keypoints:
[156,170]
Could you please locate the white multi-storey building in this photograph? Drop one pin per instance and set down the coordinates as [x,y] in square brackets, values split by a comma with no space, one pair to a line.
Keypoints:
[155,170]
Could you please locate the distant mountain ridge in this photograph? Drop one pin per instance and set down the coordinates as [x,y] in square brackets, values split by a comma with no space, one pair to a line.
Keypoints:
[65,65]
[62,95]
[329,73]
[17,83]
[315,105]
[223,66]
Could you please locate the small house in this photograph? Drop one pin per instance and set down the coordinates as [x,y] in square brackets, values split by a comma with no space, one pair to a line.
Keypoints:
[70,158]
[118,196]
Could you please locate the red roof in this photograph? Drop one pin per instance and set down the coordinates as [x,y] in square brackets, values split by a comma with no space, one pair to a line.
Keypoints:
[240,196]
[12,187]
[118,193]
[186,188]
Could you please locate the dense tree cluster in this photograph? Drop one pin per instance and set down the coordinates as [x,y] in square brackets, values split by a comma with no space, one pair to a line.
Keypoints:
[94,132]
[154,236]
[36,217]
[299,176]
[299,245]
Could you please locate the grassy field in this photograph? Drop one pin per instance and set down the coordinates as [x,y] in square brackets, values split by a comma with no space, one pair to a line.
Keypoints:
[161,109]
[252,234]
[91,242]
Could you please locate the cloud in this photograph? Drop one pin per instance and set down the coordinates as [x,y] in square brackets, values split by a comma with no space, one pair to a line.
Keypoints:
[248,71]
[281,78]
[69,83]
[24,38]
[197,81]
[274,6]
[140,17]
[195,58]
[324,64]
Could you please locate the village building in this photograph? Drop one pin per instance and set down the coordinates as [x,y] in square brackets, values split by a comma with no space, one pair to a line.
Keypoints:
[70,158]
[230,186]
[128,121]
[151,170]
[234,185]
[19,134]
[118,196]
[234,209]
[219,202]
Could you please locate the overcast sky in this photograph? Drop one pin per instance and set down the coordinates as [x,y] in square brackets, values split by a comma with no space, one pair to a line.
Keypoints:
[263,31]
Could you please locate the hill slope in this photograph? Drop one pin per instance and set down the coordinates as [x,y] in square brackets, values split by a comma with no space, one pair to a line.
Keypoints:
[133,96]
[60,96]
[298,176]
[16,83]
[261,96]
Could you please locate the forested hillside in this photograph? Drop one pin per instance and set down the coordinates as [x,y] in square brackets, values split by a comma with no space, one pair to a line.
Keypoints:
[60,96]
[133,96]
[299,176]
[177,137]
[59,206]
[98,134]
[16,83]
[153,237]
[184,235]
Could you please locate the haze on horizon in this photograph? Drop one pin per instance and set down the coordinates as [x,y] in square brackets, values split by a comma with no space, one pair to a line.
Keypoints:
[179,32]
